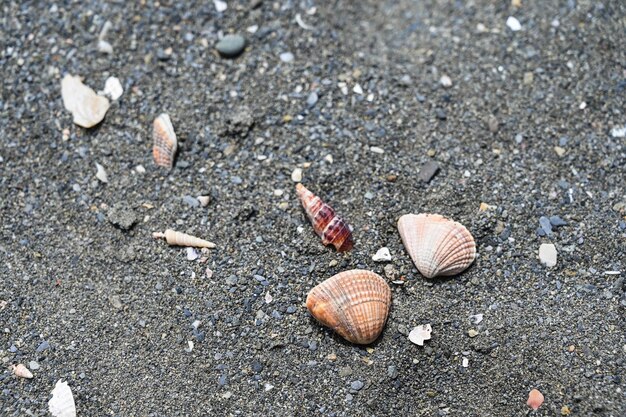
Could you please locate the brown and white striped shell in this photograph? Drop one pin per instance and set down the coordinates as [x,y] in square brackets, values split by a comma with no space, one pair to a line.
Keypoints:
[182,239]
[437,246]
[327,225]
[165,143]
[353,303]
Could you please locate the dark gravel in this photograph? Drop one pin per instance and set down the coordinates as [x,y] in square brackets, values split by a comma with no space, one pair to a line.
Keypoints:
[115,308]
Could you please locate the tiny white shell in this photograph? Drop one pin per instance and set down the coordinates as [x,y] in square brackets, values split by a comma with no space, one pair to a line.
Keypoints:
[62,402]
[420,333]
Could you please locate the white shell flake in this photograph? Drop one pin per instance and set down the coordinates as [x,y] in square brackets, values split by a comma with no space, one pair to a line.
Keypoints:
[87,108]
[382,255]
[420,333]
[112,88]
[101,174]
[62,402]
[513,24]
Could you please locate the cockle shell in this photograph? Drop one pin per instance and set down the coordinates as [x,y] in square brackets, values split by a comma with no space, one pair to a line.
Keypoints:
[438,246]
[330,227]
[182,239]
[165,143]
[353,303]
[62,402]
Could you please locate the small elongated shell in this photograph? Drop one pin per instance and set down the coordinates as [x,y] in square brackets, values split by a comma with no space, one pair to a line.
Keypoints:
[327,225]
[165,143]
[437,246]
[62,402]
[353,303]
[21,371]
[182,239]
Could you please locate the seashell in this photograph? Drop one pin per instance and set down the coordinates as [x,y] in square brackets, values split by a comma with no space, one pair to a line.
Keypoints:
[437,246]
[165,143]
[21,371]
[353,303]
[535,399]
[62,402]
[330,227]
[420,333]
[87,108]
[182,239]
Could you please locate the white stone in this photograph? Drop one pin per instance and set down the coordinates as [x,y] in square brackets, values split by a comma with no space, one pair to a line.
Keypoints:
[286,57]
[112,88]
[465,362]
[358,89]
[382,255]
[420,333]
[377,150]
[619,132]
[445,81]
[547,254]
[220,5]
[192,254]
[513,24]
[296,175]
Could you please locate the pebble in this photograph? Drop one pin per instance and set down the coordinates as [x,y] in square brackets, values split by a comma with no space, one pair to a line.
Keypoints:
[296,175]
[230,46]
[112,88]
[312,99]
[391,272]
[547,254]
[472,333]
[87,108]
[377,150]
[556,221]
[493,124]
[345,371]
[220,5]
[101,174]
[382,255]
[356,385]
[204,200]
[43,346]
[192,254]
[358,89]
[191,201]
[428,171]
[529,77]
[441,114]
[559,151]
[232,280]
[116,301]
[619,132]
[445,81]
[286,57]
[545,224]
[33,365]
[513,24]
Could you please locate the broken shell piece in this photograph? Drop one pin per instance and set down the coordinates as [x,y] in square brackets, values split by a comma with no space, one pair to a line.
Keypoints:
[182,239]
[21,371]
[437,246]
[204,200]
[330,227]
[112,88]
[165,143]
[353,303]
[87,108]
[101,174]
[382,255]
[62,402]
[535,399]
[420,333]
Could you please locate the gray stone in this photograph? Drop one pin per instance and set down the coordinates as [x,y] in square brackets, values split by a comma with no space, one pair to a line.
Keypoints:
[122,216]
[231,46]
[544,222]
[312,99]
[191,201]
[556,221]
[428,171]
[356,385]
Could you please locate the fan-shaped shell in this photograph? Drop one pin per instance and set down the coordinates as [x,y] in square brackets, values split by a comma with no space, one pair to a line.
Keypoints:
[165,143]
[437,246]
[353,303]
[327,225]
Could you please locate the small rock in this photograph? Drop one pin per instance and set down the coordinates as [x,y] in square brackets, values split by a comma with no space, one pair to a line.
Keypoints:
[115,301]
[122,216]
[43,346]
[556,221]
[493,124]
[547,254]
[296,175]
[312,99]
[428,171]
[476,318]
[377,150]
[391,272]
[441,114]
[33,365]
[112,88]
[545,224]
[231,46]
[529,77]
[286,57]
[472,333]
[220,6]
[559,151]
[191,201]
[358,89]
[345,371]
[445,81]
[619,132]
[513,24]
[204,200]
[101,174]
[382,255]
[356,385]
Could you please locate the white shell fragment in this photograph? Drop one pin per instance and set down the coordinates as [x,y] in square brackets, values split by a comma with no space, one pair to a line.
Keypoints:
[112,88]
[476,318]
[513,24]
[420,333]
[382,255]
[87,108]
[445,81]
[62,402]
[296,175]
[204,200]
[220,5]
[547,254]
[21,371]
[619,132]
[301,23]
[192,254]
[101,174]
[104,46]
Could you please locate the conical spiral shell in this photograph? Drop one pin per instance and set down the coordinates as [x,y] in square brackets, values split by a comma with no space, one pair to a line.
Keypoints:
[353,303]
[327,225]
[182,239]
[165,143]
[437,246]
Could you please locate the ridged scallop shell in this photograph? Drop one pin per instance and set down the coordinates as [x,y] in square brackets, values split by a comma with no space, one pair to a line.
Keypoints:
[165,143]
[353,303]
[183,239]
[437,246]
[328,226]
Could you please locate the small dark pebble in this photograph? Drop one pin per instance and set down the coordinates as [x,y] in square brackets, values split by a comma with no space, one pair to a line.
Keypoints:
[556,221]
[43,346]
[223,380]
[544,222]
[257,366]
[291,309]
[428,171]
[441,114]
[231,46]
[356,385]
